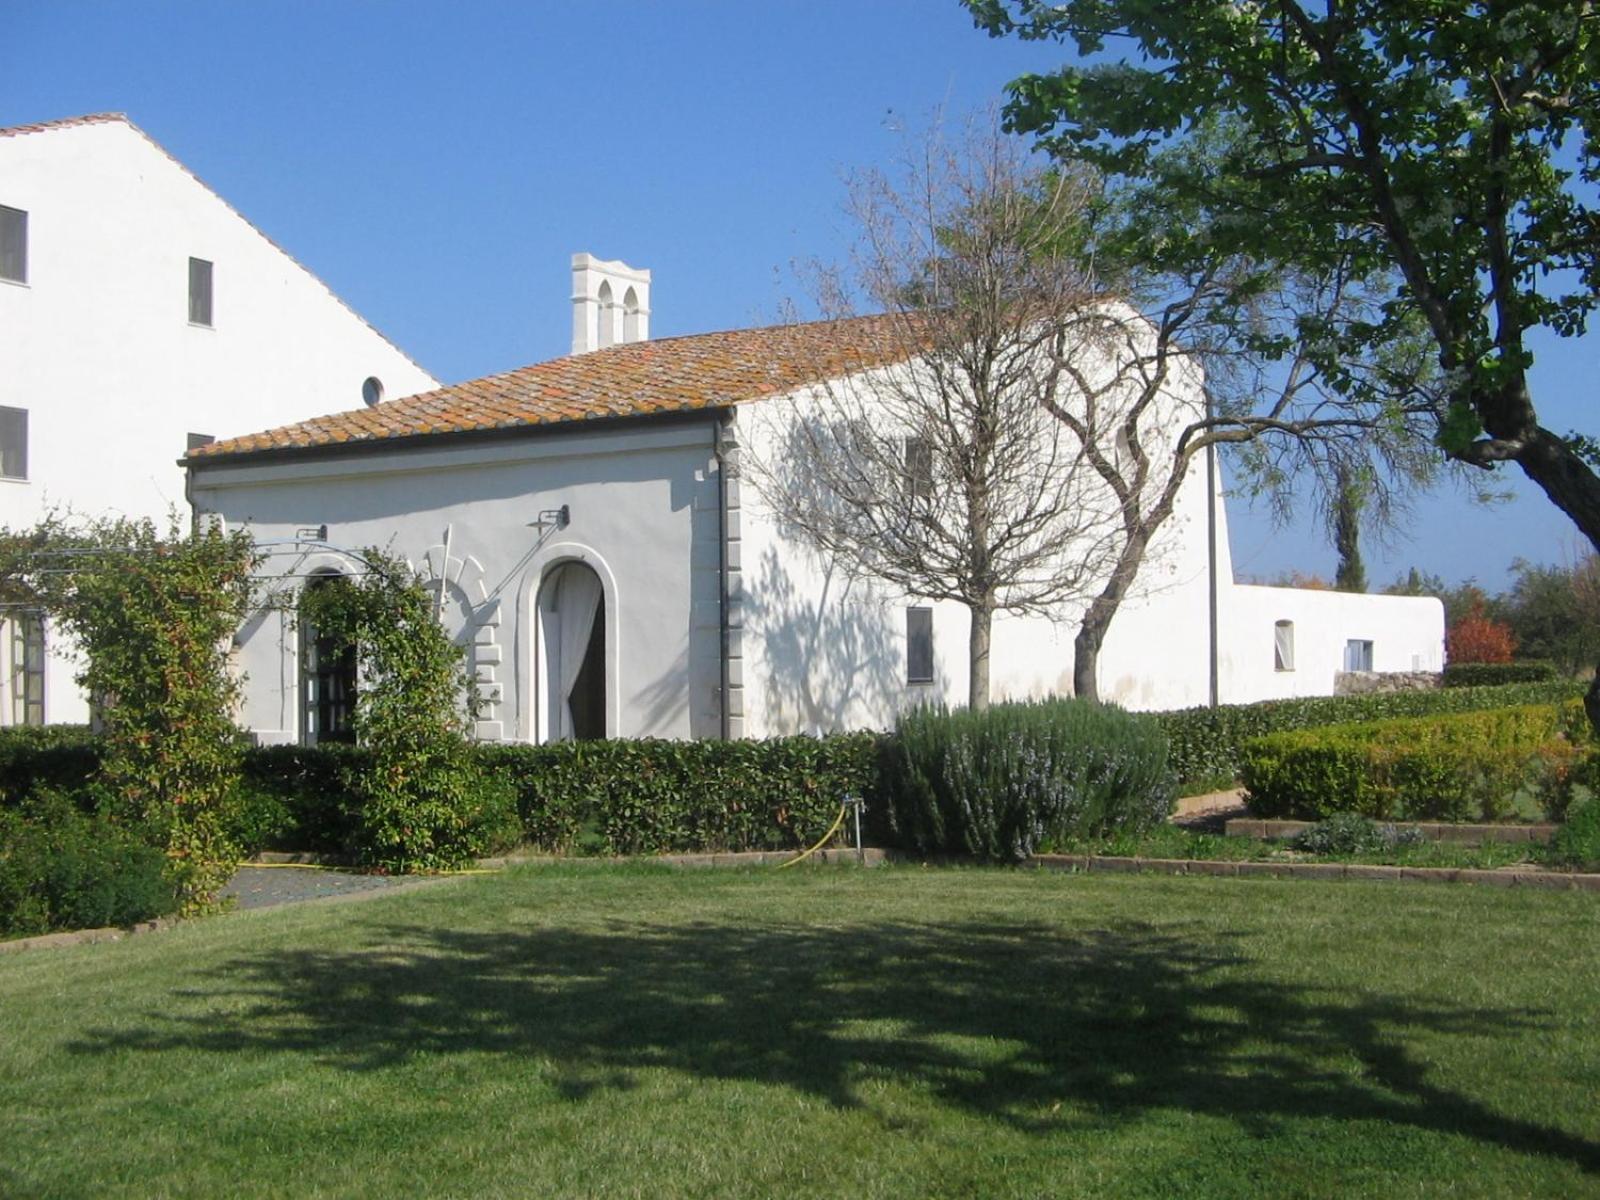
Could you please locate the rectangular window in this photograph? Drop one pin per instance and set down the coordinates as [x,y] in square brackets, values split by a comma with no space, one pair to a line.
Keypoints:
[13,244]
[13,443]
[1283,646]
[199,292]
[919,645]
[27,670]
[919,468]
[196,440]
[1357,655]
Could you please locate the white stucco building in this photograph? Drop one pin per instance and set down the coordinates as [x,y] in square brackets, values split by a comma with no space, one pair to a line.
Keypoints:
[611,573]
[139,316]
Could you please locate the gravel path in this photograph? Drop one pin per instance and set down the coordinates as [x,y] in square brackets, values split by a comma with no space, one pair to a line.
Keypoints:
[262,887]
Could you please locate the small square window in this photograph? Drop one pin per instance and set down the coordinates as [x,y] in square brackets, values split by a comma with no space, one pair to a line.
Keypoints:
[919,645]
[196,440]
[13,244]
[13,443]
[1358,655]
[199,292]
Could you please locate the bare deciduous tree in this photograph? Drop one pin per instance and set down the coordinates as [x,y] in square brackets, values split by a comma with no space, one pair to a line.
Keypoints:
[1180,363]
[946,475]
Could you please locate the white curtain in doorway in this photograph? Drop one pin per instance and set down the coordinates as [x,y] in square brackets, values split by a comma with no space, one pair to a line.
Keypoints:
[569,617]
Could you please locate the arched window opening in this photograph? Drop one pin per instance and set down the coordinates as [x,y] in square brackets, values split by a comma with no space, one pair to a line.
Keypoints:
[327,676]
[572,654]
[630,316]
[1283,645]
[607,333]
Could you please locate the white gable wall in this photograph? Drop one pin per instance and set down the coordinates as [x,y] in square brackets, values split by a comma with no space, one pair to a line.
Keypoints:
[98,348]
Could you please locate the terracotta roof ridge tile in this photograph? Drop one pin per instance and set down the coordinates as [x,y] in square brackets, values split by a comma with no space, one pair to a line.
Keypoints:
[99,118]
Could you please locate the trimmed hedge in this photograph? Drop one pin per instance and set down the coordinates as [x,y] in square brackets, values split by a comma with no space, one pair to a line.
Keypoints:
[53,757]
[61,868]
[1205,744]
[1462,767]
[641,796]
[1460,675]
[294,798]
[1006,782]
[648,796]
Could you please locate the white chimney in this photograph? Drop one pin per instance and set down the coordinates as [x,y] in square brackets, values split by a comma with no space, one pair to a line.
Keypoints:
[610,304]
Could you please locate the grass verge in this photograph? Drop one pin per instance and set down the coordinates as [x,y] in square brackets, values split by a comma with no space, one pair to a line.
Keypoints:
[1170,841]
[632,1031]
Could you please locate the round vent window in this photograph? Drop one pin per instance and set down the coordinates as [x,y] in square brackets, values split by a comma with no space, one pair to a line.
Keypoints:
[372,390]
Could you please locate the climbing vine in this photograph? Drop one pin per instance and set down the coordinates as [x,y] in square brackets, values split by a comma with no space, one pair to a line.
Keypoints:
[152,618]
[425,802]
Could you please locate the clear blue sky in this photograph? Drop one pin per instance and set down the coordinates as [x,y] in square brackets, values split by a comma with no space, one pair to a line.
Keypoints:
[438,164]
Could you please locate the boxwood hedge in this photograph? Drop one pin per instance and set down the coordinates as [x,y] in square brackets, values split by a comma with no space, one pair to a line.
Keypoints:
[1205,744]
[1458,675]
[1458,767]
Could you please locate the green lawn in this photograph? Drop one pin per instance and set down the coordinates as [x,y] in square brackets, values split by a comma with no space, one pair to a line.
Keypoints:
[593,1031]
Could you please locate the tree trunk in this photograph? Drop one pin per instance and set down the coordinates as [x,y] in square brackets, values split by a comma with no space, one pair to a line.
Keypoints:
[1097,617]
[1086,659]
[1566,479]
[1575,490]
[978,657]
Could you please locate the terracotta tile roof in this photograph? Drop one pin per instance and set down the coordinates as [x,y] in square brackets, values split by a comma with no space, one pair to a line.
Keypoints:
[64,122]
[672,375]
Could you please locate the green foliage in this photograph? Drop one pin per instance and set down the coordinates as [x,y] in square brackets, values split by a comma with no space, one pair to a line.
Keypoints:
[1462,767]
[1349,500]
[61,868]
[1464,675]
[1555,612]
[1007,782]
[57,757]
[1348,833]
[1404,142]
[293,798]
[154,617]
[423,799]
[1577,843]
[1204,744]
[648,796]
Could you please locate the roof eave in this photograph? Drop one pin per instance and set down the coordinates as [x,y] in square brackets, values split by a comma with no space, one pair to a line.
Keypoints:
[448,438]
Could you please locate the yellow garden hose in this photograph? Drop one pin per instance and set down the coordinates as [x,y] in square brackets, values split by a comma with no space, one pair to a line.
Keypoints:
[833,829]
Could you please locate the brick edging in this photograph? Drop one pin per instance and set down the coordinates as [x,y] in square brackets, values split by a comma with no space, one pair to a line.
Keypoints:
[1545,880]
[79,937]
[1434,831]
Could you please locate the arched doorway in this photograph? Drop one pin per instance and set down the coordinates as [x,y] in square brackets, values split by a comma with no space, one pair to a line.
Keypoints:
[572,654]
[327,677]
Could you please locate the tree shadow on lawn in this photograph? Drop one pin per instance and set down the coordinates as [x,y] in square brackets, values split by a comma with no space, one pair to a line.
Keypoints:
[1009,1021]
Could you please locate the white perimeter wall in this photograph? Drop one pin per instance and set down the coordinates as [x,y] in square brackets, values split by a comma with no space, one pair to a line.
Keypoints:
[1406,632]
[644,506]
[97,346]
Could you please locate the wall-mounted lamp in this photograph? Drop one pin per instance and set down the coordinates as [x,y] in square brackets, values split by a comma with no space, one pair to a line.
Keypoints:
[559,517]
[318,533]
